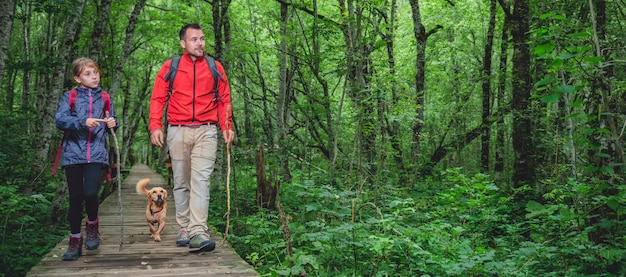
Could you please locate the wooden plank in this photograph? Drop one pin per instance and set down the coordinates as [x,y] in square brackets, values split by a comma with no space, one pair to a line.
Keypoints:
[139,255]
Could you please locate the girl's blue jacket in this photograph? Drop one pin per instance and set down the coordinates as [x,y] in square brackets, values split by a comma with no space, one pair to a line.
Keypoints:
[81,144]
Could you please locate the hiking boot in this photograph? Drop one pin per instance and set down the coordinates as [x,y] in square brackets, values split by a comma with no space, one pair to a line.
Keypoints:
[74,249]
[93,236]
[183,237]
[201,242]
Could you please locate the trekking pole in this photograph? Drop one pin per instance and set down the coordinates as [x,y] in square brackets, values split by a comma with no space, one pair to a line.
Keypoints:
[119,185]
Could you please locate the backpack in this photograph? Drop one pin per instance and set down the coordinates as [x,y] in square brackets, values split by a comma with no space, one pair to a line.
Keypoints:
[171,75]
[73,93]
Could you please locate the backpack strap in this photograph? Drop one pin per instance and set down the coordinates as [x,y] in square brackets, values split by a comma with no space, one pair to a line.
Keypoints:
[73,93]
[58,156]
[72,99]
[171,75]
[106,99]
[216,74]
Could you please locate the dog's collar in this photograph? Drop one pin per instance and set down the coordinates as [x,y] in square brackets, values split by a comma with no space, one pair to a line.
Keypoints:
[153,213]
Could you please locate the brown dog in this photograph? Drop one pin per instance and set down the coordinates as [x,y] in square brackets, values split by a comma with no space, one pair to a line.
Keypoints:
[156,209]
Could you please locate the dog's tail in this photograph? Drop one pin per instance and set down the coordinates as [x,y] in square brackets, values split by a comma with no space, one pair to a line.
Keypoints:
[141,186]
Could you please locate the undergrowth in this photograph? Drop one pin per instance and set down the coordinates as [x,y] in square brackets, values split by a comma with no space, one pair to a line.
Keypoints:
[459,226]
[25,234]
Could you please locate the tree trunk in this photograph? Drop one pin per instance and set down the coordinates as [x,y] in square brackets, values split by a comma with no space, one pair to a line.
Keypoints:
[219,12]
[486,86]
[266,192]
[132,113]
[501,145]
[53,96]
[103,10]
[420,53]
[523,144]
[268,129]
[9,99]
[26,78]
[128,47]
[421,36]
[7,12]
[358,76]
[393,128]
[283,99]
[605,103]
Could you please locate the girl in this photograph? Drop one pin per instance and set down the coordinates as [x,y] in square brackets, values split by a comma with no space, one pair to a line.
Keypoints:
[84,122]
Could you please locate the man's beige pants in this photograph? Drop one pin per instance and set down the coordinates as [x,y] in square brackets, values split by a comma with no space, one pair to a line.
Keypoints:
[193,152]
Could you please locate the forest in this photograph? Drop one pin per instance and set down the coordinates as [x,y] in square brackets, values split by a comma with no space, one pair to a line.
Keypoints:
[374,137]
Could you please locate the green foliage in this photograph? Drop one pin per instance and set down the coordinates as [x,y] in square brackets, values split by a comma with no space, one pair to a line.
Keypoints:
[22,215]
[15,157]
[25,235]
[461,226]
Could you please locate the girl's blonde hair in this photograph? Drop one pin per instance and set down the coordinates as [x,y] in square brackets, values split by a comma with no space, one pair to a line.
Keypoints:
[78,65]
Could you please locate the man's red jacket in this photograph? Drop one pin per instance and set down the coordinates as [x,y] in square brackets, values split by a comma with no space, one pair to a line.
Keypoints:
[192,99]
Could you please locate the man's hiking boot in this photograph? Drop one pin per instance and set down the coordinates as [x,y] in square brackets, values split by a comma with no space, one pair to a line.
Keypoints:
[201,242]
[93,236]
[74,249]
[183,237]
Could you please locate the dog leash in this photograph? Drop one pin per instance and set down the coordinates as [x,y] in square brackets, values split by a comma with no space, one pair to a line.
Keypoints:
[119,186]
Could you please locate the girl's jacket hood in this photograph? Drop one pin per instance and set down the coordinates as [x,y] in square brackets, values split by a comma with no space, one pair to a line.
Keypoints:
[82,144]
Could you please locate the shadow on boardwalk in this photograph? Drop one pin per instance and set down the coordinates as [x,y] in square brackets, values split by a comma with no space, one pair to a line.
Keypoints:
[139,255]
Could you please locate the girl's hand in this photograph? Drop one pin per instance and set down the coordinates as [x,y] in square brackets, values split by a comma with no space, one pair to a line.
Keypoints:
[110,121]
[93,122]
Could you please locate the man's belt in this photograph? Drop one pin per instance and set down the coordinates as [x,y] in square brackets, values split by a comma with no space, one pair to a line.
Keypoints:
[192,125]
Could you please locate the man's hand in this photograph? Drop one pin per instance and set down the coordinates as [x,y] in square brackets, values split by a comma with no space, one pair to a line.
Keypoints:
[156,137]
[229,136]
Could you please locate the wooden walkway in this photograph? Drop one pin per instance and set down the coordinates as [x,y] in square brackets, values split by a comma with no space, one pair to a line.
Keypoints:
[139,254]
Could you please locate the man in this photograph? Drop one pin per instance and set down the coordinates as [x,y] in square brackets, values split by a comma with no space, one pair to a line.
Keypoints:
[193,113]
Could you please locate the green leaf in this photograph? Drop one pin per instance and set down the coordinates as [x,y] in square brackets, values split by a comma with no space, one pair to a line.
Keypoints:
[613,204]
[607,169]
[566,56]
[551,98]
[545,81]
[593,60]
[535,209]
[577,103]
[545,48]
[565,89]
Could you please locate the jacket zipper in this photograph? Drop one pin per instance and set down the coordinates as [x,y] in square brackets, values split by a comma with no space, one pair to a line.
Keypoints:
[90,129]
[193,99]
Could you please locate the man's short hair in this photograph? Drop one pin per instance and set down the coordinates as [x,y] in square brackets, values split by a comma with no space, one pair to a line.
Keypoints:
[183,31]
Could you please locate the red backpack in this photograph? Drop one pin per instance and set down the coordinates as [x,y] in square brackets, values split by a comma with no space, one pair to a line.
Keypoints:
[72,101]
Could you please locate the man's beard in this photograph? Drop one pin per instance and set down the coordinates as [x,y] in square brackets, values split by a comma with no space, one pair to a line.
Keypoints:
[195,54]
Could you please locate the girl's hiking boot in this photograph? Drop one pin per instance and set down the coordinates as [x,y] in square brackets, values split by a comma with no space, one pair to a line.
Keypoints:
[201,242]
[74,249]
[93,236]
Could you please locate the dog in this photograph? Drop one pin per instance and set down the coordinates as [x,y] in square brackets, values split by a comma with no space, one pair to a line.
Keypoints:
[156,209]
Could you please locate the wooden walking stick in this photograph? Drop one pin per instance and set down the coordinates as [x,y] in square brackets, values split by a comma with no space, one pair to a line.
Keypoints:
[119,186]
[227,215]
